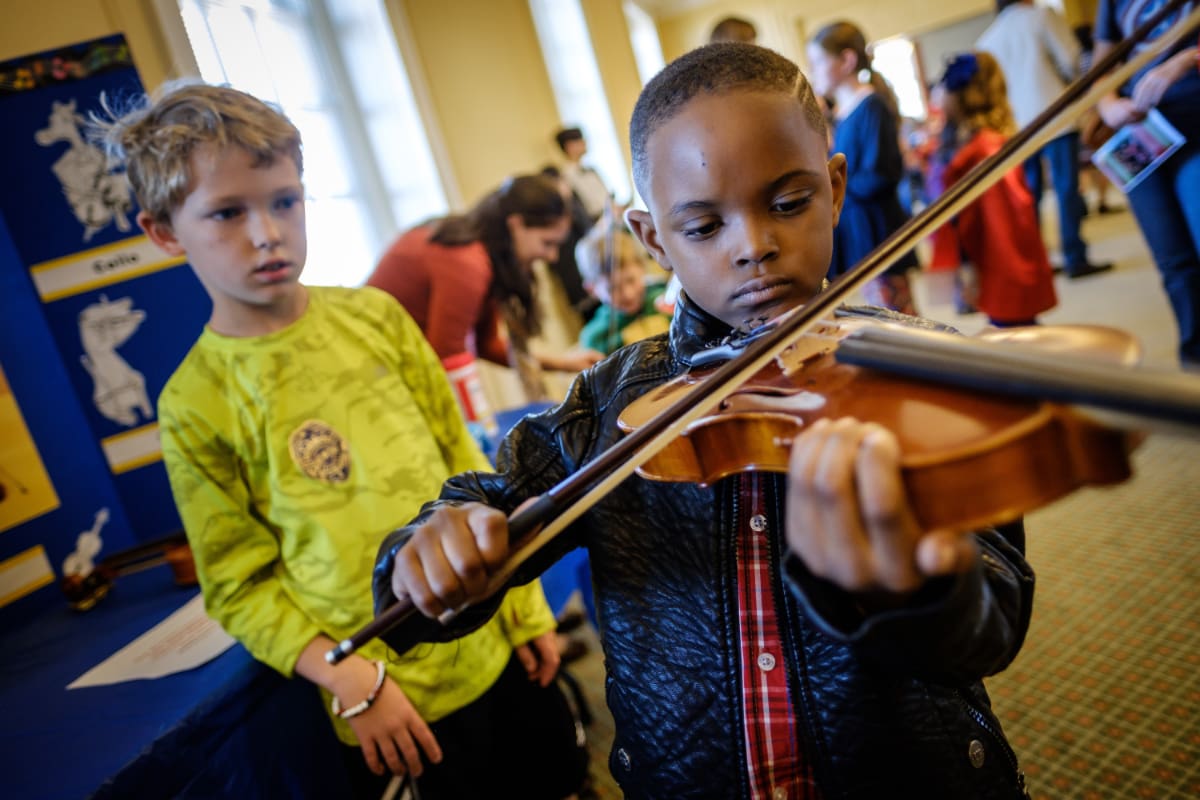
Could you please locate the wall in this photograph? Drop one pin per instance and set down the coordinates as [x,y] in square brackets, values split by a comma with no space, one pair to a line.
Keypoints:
[490,93]
[30,27]
[618,67]
[784,25]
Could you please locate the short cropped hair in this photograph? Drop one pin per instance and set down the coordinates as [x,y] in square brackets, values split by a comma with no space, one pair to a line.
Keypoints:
[713,69]
[565,135]
[155,139]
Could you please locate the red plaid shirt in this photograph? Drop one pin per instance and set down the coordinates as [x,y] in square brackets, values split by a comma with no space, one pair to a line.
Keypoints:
[774,752]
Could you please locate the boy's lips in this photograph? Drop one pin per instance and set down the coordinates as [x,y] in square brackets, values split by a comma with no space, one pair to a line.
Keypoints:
[274,265]
[761,290]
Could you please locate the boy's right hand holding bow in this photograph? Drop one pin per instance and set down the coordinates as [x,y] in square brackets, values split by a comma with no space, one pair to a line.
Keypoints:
[450,557]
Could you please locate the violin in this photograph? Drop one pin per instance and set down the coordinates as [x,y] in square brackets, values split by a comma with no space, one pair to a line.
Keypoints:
[781,365]
[85,587]
[970,457]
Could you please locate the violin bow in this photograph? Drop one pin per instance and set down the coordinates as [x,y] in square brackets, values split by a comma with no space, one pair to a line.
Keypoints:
[577,493]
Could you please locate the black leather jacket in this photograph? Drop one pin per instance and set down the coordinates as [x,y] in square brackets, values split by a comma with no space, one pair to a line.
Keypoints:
[890,705]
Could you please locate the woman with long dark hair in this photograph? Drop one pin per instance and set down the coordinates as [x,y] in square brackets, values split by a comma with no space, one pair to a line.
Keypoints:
[468,278]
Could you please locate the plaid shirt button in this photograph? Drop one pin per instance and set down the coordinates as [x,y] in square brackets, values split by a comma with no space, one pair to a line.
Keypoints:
[766,662]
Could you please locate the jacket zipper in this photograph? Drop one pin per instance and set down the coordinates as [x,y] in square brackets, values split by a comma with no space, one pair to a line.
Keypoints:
[984,723]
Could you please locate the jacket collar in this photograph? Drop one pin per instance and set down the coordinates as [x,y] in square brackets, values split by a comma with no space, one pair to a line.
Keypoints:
[693,329]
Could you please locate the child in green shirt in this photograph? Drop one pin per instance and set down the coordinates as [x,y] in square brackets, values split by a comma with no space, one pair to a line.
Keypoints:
[304,424]
[613,267]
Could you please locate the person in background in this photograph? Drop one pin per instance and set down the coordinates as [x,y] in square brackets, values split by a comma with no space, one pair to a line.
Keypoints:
[614,268]
[734,29]
[467,279]
[565,268]
[998,232]
[1039,57]
[866,133]
[1167,202]
[1091,136]
[764,635]
[304,424]
[585,182]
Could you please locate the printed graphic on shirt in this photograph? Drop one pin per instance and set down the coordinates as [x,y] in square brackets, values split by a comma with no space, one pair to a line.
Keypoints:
[320,452]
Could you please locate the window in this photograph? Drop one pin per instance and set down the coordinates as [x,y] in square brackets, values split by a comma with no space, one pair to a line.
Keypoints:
[578,90]
[643,35]
[895,59]
[333,68]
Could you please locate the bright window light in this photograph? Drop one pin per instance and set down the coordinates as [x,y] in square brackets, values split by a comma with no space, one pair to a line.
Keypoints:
[578,90]
[333,67]
[895,59]
[643,35]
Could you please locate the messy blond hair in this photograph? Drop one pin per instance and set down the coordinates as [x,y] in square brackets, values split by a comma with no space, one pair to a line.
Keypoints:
[983,102]
[155,139]
[604,250]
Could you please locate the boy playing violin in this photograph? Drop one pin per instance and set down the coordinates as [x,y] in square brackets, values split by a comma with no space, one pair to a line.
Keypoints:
[767,636]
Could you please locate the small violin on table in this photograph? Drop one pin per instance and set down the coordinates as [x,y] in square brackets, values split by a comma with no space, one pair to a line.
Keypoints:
[85,584]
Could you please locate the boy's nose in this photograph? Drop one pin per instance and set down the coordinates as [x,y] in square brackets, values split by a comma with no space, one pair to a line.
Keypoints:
[266,232]
[757,245]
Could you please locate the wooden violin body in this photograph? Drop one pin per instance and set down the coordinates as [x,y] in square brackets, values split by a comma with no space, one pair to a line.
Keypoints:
[967,458]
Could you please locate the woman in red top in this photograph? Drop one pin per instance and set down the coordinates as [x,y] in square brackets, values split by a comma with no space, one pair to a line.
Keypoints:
[461,276]
[998,232]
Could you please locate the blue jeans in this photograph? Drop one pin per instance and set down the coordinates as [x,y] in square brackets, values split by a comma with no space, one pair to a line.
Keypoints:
[1063,155]
[1167,207]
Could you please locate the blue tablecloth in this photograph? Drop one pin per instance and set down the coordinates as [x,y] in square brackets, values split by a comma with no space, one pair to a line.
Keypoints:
[229,728]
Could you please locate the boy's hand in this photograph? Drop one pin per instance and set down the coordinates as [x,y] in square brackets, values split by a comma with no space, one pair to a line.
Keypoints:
[848,516]
[391,730]
[540,658]
[449,559]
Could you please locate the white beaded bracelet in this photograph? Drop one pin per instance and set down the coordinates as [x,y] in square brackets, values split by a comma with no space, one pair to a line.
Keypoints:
[360,707]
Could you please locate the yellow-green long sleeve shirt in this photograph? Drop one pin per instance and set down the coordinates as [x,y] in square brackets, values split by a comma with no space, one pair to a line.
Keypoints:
[291,455]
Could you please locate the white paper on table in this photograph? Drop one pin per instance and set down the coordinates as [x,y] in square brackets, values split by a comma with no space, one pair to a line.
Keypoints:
[182,641]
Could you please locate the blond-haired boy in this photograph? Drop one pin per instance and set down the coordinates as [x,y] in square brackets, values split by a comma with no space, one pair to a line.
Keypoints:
[304,424]
[617,271]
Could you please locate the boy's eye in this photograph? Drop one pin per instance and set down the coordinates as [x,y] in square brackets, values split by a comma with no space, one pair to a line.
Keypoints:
[287,201]
[791,204]
[701,230]
[226,213]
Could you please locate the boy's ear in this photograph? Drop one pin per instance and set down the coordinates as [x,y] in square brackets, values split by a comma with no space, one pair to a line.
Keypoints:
[161,233]
[837,179]
[642,225]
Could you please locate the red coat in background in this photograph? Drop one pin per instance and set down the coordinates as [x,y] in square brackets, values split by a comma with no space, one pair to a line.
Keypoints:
[999,234]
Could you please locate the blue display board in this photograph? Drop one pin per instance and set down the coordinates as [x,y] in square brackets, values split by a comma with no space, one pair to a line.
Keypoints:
[95,317]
